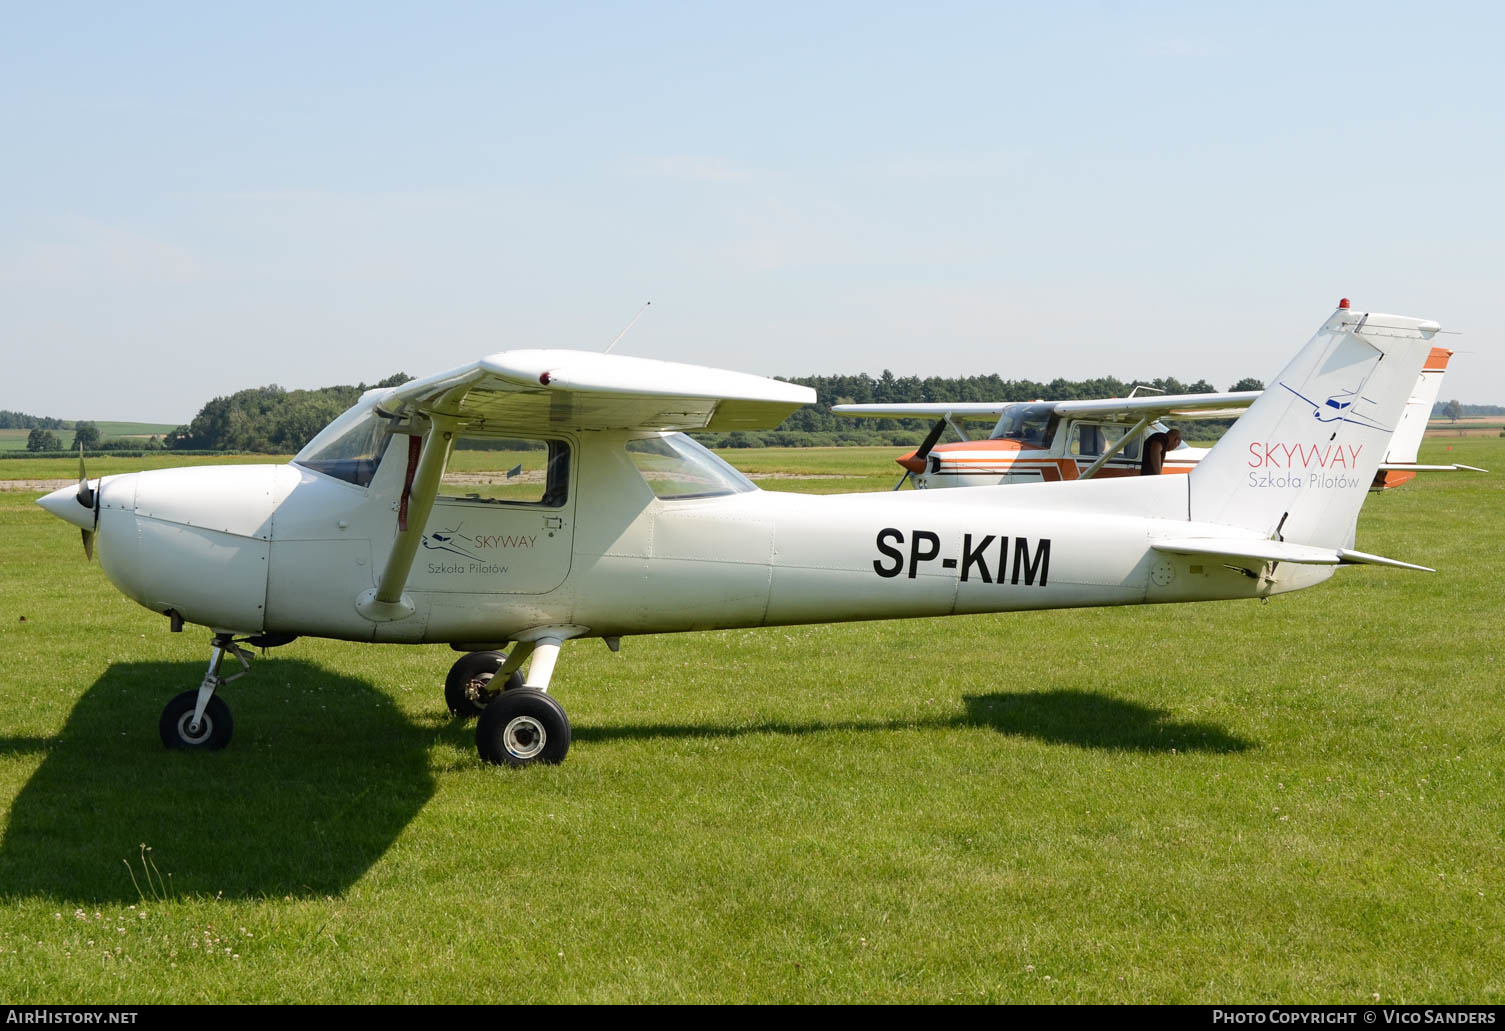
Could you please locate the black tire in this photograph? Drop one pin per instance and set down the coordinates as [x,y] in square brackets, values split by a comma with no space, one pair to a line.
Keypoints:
[521,727]
[214,732]
[481,666]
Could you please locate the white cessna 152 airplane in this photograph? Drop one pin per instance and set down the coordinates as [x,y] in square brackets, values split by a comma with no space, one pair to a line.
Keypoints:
[1046,441]
[633,528]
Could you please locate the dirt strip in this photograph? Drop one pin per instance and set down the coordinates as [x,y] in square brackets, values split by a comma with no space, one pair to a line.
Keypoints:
[36,486]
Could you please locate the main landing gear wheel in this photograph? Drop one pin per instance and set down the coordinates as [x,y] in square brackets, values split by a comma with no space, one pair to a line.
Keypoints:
[468,688]
[212,733]
[521,727]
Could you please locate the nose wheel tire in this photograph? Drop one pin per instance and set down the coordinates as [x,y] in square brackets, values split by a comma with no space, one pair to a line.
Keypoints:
[523,726]
[469,687]
[212,733]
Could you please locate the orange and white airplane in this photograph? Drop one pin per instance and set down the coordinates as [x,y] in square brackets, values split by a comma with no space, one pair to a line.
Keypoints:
[1049,441]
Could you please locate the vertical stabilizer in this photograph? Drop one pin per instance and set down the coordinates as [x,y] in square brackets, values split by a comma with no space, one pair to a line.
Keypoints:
[1297,465]
[1407,440]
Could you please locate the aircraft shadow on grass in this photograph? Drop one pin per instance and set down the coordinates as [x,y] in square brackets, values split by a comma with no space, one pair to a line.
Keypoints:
[323,774]
[1064,717]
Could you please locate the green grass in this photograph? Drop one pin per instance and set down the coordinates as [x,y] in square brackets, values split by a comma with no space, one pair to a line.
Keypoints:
[105,465]
[1295,801]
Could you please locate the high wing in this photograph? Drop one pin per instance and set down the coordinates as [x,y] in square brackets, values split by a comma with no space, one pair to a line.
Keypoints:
[589,391]
[539,390]
[1180,406]
[927,410]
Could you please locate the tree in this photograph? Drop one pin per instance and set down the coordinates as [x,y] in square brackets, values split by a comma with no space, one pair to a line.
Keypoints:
[43,440]
[85,434]
[1453,410]
[1247,383]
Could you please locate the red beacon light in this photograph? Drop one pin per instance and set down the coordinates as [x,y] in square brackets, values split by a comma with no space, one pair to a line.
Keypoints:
[1343,303]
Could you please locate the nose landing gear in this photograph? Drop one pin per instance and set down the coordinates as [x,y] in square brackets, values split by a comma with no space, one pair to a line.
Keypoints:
[200,720]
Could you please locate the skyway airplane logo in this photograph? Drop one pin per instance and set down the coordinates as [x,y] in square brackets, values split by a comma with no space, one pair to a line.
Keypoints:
[445,540]
[1340,407]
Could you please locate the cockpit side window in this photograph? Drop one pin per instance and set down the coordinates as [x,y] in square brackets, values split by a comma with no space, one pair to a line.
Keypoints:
[352,455]
[1086,439]
[508,471]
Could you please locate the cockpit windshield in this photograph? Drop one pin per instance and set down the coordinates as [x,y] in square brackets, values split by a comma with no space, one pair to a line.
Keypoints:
[1032,424]
[350,448]
[677,467]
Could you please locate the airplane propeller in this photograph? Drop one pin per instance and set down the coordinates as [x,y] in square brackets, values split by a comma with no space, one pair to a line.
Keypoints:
[89,498]
[916,462]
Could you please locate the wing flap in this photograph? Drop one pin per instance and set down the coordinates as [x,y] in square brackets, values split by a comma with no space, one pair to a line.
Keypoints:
[1276,551]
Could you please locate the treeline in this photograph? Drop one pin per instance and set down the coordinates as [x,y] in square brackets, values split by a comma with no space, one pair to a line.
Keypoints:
[22,421]
[269,420]
[1454,410]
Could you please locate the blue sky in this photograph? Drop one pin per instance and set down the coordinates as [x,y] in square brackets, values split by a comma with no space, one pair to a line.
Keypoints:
[199,198]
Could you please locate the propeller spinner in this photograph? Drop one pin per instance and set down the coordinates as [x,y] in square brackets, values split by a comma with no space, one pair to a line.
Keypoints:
[914,462]
[79,506]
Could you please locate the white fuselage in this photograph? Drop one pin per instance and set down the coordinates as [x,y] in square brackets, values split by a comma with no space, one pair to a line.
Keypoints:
[284,549]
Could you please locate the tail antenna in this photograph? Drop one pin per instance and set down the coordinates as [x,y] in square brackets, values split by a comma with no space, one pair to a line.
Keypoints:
[629,325]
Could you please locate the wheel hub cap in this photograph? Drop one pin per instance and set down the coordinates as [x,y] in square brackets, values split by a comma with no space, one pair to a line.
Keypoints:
[191,734]
[524,737]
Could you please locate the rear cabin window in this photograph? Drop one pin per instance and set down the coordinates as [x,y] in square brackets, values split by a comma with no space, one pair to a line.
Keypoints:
[508,471]
[677,467]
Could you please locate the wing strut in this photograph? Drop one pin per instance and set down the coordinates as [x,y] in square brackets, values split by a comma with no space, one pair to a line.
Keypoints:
[386,601]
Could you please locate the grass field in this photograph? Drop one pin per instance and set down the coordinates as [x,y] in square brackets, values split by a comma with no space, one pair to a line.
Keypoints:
[1292,801]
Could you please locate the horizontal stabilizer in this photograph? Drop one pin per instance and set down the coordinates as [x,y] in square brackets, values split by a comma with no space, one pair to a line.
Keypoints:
[1412,467]
[1276,551]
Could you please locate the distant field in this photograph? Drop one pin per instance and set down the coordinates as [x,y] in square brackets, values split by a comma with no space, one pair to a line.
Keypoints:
[1299,801]
[1473,426]
[15,440]
[104,465]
